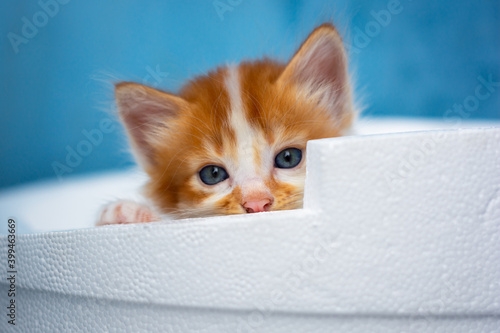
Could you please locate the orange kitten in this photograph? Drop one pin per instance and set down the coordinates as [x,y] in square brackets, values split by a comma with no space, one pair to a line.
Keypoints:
[234,141]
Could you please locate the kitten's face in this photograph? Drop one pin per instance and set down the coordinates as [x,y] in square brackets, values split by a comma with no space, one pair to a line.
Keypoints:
[234,141]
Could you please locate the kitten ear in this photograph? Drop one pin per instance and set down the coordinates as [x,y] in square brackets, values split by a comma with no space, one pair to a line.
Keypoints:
[320,71]
[145,111]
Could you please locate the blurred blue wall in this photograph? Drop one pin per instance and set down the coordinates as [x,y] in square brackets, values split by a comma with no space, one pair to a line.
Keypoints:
[411,58]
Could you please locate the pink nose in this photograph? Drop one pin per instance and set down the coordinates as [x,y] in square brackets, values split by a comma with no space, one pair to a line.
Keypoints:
[257,206]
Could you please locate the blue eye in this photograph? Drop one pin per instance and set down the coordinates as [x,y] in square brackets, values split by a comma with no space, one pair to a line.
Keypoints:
[213,174]
[288,158]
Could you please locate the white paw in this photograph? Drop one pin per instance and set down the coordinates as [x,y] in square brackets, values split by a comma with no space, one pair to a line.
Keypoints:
[121,212]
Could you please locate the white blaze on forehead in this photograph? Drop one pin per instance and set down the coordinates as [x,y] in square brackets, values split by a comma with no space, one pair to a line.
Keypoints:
[244,133]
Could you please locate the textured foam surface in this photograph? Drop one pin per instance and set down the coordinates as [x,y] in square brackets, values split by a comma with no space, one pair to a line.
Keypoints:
[399,233]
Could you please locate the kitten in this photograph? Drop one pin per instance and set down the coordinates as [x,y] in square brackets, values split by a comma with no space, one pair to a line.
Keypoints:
[234,141]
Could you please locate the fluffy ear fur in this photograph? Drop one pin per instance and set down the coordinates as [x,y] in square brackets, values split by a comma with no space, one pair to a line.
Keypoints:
[145,111]
[320,71]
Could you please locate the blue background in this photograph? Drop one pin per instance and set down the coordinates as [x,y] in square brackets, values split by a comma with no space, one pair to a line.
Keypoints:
[59,83]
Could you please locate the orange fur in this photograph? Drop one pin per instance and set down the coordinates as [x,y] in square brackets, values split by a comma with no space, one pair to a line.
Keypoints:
[283,105]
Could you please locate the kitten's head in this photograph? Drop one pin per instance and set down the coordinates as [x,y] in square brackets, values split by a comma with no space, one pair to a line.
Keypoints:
[234,141]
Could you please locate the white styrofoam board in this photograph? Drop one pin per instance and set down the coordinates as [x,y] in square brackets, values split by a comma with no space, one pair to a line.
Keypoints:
[399,233]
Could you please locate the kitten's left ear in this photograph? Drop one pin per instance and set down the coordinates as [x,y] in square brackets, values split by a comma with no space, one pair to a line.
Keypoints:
[320,71]
[145,112]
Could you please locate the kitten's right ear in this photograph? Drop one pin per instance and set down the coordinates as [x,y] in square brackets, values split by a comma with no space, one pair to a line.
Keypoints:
[320,70]
[145,111]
